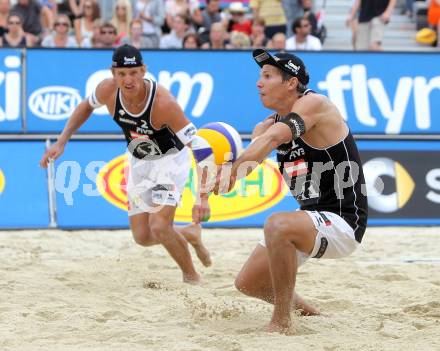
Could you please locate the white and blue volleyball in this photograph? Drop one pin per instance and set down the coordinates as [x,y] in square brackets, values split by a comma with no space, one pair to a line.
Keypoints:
[219,142]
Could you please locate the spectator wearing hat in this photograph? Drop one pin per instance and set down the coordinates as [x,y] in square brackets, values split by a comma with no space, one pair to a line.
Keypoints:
[272,13]
[238,21]
[302,39]
[174,39]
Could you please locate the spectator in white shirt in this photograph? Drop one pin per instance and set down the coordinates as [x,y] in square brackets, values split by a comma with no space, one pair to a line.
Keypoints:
[302,39]
[60,37]
[174,39]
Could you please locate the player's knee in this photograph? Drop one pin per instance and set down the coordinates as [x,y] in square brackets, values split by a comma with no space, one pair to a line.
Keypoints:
[142,236]
[242,286]
[275,228]
[160,229]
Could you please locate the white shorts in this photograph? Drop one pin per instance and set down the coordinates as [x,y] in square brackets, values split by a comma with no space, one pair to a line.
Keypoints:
[153,184]
[334,238]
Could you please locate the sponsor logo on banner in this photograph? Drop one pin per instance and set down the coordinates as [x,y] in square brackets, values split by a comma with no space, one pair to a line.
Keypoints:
[111,182]
[394,107]
[54,102]
[259,191]
[378,168]
[2,181]
[11,79]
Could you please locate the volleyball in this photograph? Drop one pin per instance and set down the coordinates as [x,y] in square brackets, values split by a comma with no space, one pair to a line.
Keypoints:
[219,143]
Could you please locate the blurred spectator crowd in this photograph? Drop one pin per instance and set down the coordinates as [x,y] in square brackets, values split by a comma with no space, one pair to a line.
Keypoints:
[167,24]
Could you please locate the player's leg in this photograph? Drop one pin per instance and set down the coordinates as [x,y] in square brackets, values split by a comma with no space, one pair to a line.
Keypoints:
[193,235]
[285,233]
[161,226]
[141,231]
[255,280]
[139,225]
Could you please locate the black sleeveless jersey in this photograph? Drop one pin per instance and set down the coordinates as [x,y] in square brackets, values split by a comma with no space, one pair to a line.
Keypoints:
[329,179]
[144,141]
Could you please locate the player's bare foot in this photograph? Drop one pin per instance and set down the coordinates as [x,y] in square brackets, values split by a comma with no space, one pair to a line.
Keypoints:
[192,279]
[193,235]
[275,327]
[305,308]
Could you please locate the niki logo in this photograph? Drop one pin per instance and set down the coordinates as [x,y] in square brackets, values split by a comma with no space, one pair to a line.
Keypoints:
[54,102]
[2,181]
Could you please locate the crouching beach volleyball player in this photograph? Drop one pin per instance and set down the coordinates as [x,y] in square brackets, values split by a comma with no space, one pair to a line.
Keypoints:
[320,163]
[157,133]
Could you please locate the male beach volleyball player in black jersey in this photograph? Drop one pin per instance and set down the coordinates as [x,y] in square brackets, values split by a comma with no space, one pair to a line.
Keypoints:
[319,161]
[157,132]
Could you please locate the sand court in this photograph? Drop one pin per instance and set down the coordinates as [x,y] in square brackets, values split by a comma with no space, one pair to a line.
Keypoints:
[98,290]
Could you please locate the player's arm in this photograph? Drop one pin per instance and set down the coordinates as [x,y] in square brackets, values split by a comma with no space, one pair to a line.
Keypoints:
[261,127]
[79,116]
[303,117]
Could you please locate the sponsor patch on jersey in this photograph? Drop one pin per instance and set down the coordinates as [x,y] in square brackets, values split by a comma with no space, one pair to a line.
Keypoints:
[127,121]
[136,135]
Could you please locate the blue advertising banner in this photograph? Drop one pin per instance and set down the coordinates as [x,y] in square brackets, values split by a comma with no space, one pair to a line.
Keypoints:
[23,185]
[90,187]
[78,200]
[10,91]
[221,86]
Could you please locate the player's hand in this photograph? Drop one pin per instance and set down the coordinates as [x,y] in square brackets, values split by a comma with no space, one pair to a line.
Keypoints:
[201,210]
[261,127]
[51,154]
[225,180]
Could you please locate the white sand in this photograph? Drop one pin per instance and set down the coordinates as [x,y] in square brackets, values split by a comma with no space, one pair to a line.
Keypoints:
[97,290]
